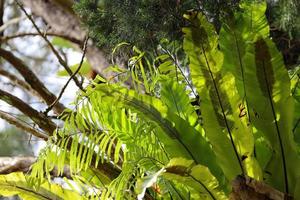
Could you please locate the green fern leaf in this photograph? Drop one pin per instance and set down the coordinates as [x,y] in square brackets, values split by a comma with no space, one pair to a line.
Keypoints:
[196,177]
[16,184]
[268,98]
[176,134]
[224,124]
[239,31]
[176,97]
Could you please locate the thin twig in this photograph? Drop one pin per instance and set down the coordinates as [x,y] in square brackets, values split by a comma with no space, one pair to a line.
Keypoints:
[39,118]
[10,22]
[44,36]
[2,2]
[20,35]
[71,77]
[18,117]
[21,125]
[18,82]
[30,77]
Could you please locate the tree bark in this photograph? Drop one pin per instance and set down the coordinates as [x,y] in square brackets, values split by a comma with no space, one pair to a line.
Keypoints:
[1,15]
[246,188]
[23,164]
[32,80]
[63,21]
[39,118]
[15,164]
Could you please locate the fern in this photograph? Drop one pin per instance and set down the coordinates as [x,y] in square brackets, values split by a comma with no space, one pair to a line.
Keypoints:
[220,100]
[246,32]
[126,143]
[16,184]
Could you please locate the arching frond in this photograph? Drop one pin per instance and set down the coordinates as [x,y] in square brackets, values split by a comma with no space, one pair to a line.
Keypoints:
[16,184]
[197,177]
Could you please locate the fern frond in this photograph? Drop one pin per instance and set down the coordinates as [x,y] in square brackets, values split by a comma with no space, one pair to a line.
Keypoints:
[16,184]
[197,177]
[176,134]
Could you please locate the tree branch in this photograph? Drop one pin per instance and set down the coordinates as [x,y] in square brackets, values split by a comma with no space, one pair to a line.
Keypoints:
[48,126]
[39,118]
[2,2]
[10,22]
[23,164]
[60,59]
[32,80]
[61,20]
[67,23]
[21,125]
[20,35]
[15,164]
[22,84]
[71,77]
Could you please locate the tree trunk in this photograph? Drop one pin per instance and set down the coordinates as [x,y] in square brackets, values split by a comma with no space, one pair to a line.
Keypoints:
[63,21]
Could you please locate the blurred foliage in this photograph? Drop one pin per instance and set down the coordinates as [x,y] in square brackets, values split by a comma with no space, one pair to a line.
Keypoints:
[284,19]
[62,43]
[285,15]
[84,70]
[14,142]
